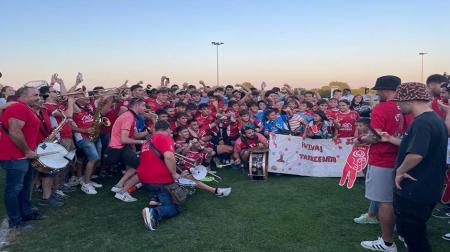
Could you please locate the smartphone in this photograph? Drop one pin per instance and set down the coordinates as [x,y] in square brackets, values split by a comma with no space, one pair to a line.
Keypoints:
[80,76]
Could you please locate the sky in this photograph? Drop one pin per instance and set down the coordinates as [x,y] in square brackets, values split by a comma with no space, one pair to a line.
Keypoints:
[303,43]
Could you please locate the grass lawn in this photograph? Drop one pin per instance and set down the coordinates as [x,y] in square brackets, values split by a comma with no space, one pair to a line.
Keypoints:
[285,213]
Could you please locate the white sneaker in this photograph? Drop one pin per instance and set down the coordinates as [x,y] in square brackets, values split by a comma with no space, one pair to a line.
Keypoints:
[95,185]
[124,196]
[378,245]
[73,181]
[61,194]
[88,189]
[365,219]
[116,189]
[223,192]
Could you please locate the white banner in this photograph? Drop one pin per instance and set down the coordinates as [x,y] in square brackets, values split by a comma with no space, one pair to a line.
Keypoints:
[308,157]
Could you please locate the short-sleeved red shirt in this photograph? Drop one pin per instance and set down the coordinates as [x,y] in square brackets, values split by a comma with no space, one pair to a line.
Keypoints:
[386,117]
[151,169]
[347,123]
[127,122]
[436,108]
[155,104]
[85,118]
[66,131]
[19,111]
[45,126]
[240,145]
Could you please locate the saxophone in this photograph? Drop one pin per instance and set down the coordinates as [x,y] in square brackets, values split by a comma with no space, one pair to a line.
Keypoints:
[97,124]
[55,131]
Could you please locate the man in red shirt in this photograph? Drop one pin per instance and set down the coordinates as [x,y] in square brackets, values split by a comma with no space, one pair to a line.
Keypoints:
[83,118]
[248,140]
[121,148]
[385,117]
[434,83]
[160,101]
[156,170]
[18,139]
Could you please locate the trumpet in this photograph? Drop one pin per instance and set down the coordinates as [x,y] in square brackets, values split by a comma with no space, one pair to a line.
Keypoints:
[180,158]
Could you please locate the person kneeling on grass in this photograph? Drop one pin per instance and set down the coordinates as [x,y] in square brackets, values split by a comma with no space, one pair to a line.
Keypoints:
[157,168]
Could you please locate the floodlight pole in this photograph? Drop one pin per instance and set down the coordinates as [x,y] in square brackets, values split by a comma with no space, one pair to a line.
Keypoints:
[217,44]
[422,54]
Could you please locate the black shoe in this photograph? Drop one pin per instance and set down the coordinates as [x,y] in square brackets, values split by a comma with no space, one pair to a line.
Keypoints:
[22,226]
[51,202]
[35,216]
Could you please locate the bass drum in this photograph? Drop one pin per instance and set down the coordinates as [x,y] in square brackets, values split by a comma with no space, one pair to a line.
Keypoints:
[53,163]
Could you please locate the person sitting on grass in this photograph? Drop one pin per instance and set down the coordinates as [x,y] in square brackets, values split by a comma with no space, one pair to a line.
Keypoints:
[249,140]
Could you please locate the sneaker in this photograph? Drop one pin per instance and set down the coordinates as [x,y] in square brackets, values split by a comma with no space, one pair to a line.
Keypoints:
[446,237]
[35,216]
[74,181]
[22,226]
[400,238]
[58,197]
[61,194]
[223,192]
[50,202]
[125,197]
[116,189]
[441,214]
[150,220]
[94,176]
[67,189]
[95,185]
[88,189]
[378,245]
[365,219]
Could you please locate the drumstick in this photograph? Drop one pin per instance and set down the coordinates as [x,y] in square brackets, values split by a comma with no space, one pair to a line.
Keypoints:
[214,175]
[42,154]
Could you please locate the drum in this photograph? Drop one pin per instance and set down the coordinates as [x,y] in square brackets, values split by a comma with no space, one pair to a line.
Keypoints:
[187,185]
[50,164]
[258,165]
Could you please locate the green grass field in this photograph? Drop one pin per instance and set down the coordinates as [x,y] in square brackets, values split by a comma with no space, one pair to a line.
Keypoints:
[285,213]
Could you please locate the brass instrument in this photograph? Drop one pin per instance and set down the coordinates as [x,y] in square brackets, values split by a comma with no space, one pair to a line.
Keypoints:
[180,159]
[97,124]
[35,163]
[55,131]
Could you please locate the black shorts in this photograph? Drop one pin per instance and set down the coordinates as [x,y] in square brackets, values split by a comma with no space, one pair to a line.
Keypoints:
[124,155]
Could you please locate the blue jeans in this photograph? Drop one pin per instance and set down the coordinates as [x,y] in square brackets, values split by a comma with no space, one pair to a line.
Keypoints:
[167,208]
[92,150]
[18,179]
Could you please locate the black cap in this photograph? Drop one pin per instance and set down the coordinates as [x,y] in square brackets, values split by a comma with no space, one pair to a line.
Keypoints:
[388,82]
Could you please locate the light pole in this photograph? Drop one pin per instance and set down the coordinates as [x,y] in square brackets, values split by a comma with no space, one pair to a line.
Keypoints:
[217,44]
[422,54]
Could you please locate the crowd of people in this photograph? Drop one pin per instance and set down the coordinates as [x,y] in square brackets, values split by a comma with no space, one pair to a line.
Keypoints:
[141,131]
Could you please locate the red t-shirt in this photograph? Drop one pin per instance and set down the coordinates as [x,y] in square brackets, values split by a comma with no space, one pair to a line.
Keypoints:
[198,156]
[240,145]
[387,117]
[204,121]
[127,122]
[66,130]
[155,104]
[331,113]
[436,108]
[112,115]
[85,118]
[45,126]
[19,111]
[347,123]
[151,169]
